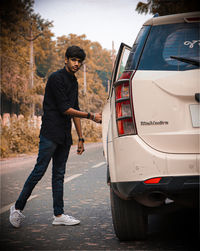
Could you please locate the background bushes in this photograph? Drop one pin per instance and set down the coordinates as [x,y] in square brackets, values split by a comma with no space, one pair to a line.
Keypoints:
[21,136]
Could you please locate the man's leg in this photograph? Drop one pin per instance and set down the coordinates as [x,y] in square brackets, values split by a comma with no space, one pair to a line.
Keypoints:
[59,164]
[46,151]
[58,172]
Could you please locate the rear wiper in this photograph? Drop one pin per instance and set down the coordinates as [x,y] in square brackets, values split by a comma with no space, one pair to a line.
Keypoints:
[187,60]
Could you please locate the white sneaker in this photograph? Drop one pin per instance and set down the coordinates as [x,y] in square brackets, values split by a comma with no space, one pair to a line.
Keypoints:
[16,217]
[65,220]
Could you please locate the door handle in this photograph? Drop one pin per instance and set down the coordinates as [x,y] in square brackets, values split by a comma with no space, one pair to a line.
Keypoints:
[197,97]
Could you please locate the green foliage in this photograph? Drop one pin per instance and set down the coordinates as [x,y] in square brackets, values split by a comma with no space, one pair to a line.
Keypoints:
[19,137]
[167,7]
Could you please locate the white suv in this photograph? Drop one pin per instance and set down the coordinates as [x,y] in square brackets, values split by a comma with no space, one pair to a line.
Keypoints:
[151,123]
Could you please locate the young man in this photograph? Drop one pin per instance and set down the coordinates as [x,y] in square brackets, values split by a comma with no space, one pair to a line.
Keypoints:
[60,105]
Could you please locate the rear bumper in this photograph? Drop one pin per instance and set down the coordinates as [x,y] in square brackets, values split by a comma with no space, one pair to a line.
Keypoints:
[131,159]
[183,190]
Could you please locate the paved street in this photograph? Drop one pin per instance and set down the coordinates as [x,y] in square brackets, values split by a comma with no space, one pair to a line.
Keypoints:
[87,198]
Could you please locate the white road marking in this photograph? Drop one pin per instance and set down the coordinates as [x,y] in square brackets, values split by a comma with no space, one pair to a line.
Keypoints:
[72,177]
[98,165]
[7,208]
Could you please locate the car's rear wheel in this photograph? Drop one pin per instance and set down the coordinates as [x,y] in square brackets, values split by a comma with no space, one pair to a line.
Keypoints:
[129,218]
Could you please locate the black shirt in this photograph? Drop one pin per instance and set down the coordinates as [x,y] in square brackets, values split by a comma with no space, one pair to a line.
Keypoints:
[61,93]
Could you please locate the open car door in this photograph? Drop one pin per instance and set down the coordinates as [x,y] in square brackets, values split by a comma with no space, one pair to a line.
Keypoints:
[119,66]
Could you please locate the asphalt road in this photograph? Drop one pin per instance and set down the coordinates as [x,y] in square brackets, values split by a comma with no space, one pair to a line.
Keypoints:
[86,197]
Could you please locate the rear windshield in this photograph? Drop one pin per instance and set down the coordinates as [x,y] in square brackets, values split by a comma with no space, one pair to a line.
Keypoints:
[164,42]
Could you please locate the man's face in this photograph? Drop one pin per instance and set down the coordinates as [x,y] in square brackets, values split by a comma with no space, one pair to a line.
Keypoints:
[73,64]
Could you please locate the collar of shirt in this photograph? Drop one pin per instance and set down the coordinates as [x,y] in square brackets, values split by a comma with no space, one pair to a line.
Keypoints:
[72,76]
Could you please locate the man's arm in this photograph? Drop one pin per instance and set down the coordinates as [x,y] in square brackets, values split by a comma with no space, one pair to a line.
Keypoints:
[96,117]
[77,123]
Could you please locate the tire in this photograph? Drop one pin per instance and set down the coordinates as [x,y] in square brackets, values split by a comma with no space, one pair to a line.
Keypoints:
[129,218]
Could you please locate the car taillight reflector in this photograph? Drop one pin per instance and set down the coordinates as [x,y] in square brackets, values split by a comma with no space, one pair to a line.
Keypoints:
[153,181]
[122,91]
[125,126]
[124,111]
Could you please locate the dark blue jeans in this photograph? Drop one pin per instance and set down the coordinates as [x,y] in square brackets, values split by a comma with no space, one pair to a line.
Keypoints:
[59,154]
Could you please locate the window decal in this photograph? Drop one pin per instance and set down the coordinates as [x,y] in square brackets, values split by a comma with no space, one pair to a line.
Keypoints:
[191,44]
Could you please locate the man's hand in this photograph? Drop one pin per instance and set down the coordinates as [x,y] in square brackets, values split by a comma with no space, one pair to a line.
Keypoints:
[80,149]
[97,117]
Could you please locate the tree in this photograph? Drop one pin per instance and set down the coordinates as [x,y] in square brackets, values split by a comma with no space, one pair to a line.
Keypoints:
[14,16]
[166,7]
[44,47]
[18,23]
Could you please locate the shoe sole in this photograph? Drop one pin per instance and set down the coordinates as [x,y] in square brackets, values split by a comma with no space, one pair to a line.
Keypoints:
[64,224]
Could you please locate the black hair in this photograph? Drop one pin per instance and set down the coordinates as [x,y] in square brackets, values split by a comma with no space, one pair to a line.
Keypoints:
[75,52]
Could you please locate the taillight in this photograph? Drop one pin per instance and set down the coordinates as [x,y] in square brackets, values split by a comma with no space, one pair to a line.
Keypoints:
[123,102]
[153,181]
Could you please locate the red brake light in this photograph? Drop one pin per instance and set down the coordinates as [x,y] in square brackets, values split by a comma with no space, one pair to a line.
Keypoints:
[152,181]
[124,111]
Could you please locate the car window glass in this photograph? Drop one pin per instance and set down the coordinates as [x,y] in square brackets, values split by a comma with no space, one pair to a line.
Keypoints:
[137,48]
[123,62]
[164,41]
[181,43]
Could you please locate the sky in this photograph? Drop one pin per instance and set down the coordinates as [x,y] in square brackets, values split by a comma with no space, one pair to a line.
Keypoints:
[101,21]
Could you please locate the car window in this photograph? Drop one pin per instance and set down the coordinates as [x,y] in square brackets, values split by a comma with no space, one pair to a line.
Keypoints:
[120,63]
[180,41]
[123,62]
[137,48]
